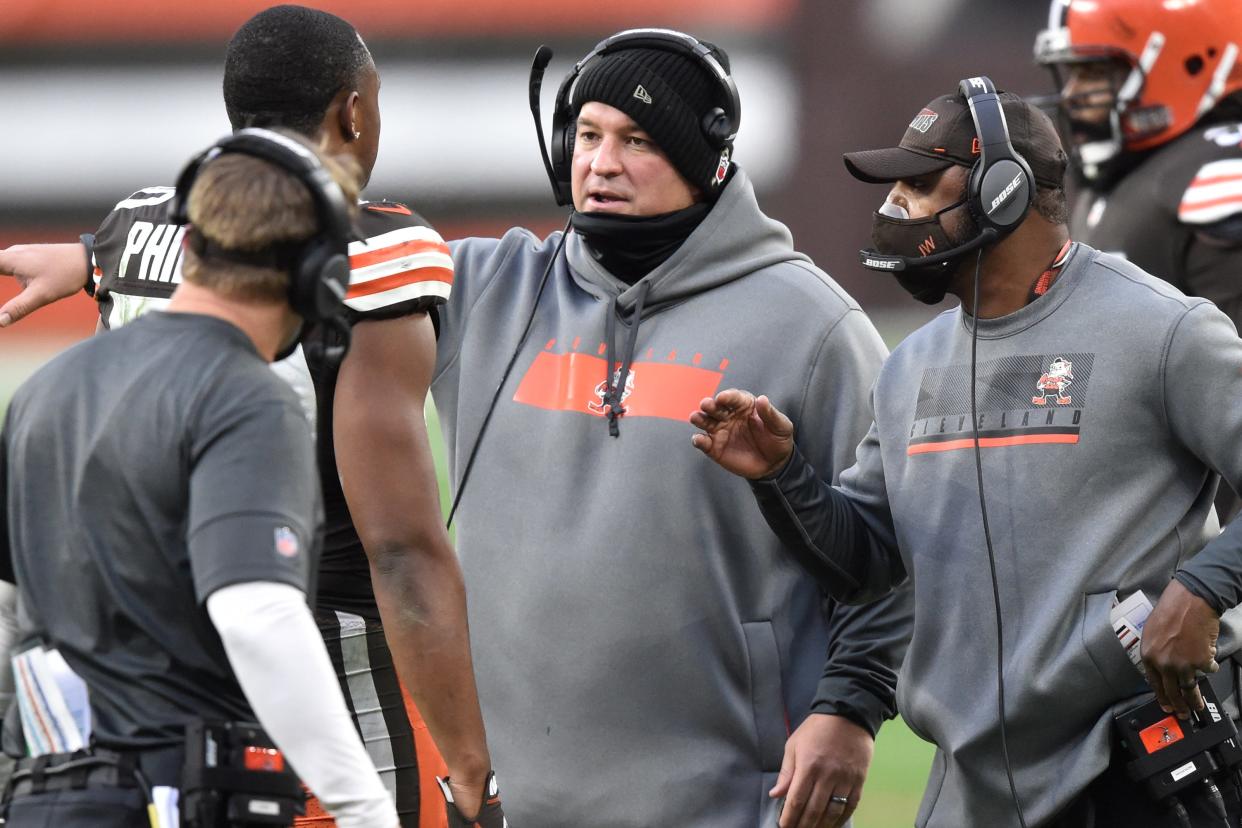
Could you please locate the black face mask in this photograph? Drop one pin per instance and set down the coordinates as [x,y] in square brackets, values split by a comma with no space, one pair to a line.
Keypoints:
[895,236]
[630,247]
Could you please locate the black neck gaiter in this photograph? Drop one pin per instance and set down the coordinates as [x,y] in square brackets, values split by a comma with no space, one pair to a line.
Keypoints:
[630,247]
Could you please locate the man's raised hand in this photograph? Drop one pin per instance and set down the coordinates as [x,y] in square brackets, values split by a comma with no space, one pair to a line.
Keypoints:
[745,434]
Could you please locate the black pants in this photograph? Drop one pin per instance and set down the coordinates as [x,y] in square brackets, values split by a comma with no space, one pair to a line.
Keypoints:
[1114,800]
[87,808]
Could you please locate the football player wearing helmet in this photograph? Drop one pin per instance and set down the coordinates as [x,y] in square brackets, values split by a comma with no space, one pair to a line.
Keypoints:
[1151,114]
[1152,111]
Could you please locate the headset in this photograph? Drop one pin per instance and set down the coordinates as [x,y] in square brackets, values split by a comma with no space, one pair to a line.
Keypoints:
[719,124]
[318,267]
[1000,190]
[1001,187]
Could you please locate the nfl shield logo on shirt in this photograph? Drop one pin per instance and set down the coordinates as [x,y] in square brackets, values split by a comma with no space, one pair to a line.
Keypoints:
[286,542]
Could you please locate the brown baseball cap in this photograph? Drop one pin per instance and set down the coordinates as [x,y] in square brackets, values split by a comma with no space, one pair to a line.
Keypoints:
[943,134]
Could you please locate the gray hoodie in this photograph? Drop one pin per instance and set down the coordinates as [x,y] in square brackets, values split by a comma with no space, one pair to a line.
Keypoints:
[1107,407]
[643,644]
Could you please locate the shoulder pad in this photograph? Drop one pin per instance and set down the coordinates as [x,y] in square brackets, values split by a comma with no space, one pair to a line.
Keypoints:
[396,264]
[383,205]
[391,211]
[148,196]
[1215,193]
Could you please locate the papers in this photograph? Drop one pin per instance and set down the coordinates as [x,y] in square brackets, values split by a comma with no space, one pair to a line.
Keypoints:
[53,702]
[1128,619]
[164,807]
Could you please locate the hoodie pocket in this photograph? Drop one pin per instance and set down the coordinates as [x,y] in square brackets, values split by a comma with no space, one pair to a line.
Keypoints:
[1106,652]
[771,728]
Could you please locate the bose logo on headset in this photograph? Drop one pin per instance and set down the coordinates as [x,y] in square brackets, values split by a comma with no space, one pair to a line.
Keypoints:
[979,84]
[1008,191]
[880,264]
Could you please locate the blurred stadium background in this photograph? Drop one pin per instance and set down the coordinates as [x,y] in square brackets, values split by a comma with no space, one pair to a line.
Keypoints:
[105,96]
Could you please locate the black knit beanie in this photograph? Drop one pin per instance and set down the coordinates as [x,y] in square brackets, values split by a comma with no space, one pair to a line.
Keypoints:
[667,94]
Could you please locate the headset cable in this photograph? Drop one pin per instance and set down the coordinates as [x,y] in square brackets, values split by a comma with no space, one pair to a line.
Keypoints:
[987,537]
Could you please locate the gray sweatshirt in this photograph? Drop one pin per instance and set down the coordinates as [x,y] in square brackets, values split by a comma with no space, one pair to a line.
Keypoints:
[1107,407]
[642,642]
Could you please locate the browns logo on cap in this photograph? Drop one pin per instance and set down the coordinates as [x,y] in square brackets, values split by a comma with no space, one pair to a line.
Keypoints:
[943,134]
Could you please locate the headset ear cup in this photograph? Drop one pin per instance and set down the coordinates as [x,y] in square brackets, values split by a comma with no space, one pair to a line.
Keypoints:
[565,172]
[973,196]
[177,210]
[179,207]
[1004,193]
[317,283]
[561,144]
[332,284]
[302,288]
[717,128]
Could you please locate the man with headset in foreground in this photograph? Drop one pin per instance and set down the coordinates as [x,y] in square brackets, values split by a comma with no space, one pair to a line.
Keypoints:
[648,655]
[164,537]
[1104,410]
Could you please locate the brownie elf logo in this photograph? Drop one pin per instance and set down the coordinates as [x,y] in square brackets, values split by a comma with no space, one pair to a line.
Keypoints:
[1052,383]
[598,406]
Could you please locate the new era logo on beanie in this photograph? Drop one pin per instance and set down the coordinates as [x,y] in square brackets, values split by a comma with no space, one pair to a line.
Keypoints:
[668,94]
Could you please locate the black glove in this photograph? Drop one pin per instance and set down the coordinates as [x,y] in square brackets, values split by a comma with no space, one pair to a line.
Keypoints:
[491,815]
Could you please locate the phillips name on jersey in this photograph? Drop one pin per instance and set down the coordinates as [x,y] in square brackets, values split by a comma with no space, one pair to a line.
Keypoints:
[400,264]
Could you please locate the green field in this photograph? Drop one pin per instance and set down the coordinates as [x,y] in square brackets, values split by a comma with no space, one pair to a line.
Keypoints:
[891,795]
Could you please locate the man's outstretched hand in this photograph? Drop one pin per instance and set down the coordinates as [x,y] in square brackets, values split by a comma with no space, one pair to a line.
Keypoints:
[745,434]
[46,273]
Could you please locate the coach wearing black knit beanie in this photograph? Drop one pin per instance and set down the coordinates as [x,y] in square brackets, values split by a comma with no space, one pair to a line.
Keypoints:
[666,95]
[664,661]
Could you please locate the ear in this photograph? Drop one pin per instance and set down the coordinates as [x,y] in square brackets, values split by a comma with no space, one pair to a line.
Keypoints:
[347,117]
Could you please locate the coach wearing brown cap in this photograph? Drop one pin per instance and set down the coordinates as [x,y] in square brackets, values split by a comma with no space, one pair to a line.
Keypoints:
[928,214]
[1041,452]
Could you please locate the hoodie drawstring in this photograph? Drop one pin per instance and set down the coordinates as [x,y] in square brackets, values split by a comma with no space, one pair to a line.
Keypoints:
[614,392]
